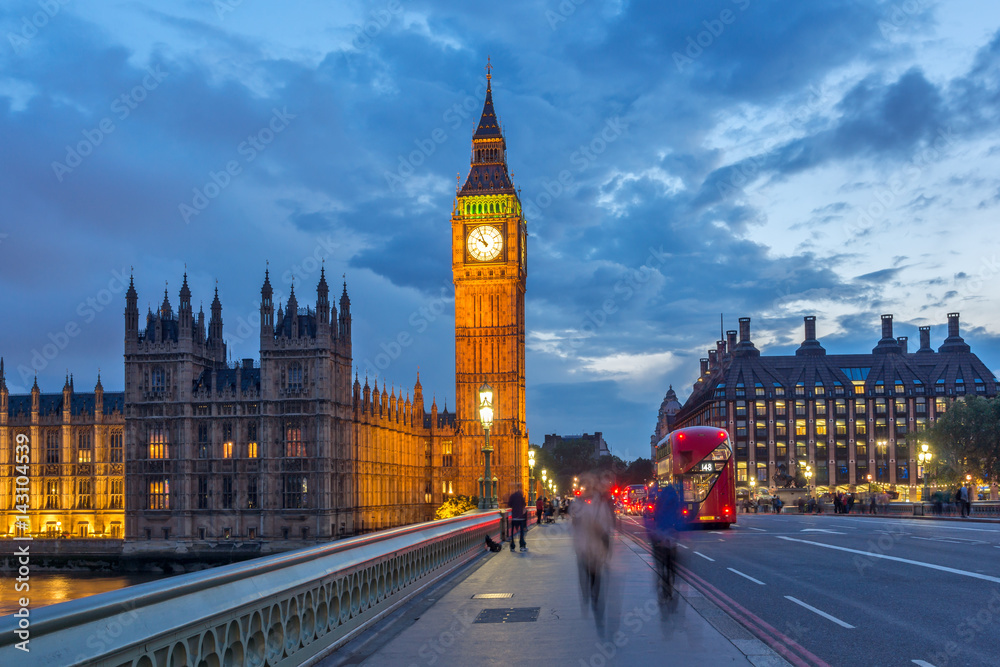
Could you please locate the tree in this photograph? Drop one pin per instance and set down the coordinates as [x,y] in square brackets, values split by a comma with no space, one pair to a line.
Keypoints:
[966,440]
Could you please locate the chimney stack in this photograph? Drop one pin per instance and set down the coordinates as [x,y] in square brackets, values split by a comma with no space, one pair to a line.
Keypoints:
[810,346]
[925,340]
[731,341]
[744,329]
[954,342]
[713,359]
[902,340]
[704,366]
[887,343]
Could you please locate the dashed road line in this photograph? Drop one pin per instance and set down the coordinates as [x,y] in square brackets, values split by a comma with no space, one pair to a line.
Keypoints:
[922,663]
[704,556]
[747,576]
[871,554]
[820,612]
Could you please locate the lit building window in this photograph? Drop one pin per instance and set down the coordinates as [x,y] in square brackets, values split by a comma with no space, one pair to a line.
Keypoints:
[252,440]
[158,493]
[84,494]
[116,501]
[157,442]
[52,447]
[293,441]
[84,447]
[51,494]
[295,492]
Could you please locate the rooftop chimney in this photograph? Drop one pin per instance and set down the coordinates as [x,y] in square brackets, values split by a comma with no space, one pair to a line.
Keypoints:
[713,359]
[902,340]
[745,347]
[887,343]
[925,340]
[954,342]
[731,340]
[704,366]
[810,346]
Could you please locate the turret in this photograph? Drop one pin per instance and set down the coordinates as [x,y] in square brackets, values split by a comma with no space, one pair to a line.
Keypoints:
[345,317]
[266,309]
[67,400]
[98,399]
[322,304]
[35,399]
[4,394]
[215,342]
[131,312]
[292,312]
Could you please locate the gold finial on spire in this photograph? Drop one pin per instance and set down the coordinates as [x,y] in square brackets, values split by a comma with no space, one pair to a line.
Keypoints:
[489,69]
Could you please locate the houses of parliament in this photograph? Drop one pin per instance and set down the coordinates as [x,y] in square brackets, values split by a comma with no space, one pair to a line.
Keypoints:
[293,447]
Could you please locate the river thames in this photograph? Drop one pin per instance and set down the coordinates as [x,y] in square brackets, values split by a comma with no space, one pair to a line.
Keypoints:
[54,587]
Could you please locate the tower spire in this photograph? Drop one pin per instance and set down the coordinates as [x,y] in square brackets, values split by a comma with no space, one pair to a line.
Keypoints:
[488,173]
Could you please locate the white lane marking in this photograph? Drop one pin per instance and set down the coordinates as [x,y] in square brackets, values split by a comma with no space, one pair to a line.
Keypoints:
[760,529]
[704,556]
[932,566]
[821,613]
[922,663]
[682,546]
[924,524]
[822,530]
[939,539]
[747,576]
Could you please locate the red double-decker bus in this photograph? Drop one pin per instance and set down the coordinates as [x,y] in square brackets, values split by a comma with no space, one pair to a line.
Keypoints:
[698,460]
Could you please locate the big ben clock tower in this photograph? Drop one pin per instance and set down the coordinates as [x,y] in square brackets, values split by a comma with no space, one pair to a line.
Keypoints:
[489,266]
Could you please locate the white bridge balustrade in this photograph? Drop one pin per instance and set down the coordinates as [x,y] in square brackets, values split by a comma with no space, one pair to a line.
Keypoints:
[287,609]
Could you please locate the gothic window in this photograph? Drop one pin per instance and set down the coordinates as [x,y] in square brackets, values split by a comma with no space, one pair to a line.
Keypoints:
[84,494]
[116,450]
[203,441]
[295,492]
[446,455]
[203,493]
[52,447]
[157,438]
[158,493]
[252,440]
[252,502]
[159,379]
[227,440]
[293,440]
[227,492]
[51,494]
[84,447]
[295,377]
[116,501]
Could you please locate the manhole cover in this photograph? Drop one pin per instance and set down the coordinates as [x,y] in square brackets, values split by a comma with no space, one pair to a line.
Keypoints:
[515,615]
[492,596]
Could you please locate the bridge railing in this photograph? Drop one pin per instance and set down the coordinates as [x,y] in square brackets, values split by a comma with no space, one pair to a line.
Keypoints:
[287,609]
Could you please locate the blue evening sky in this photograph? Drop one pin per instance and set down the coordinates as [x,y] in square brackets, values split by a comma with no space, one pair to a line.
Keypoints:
[677,160]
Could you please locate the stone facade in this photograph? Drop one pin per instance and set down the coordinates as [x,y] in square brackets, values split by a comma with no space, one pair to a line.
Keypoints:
[846,416]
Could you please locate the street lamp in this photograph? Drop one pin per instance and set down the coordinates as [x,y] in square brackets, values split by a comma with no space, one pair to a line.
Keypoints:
[545,480]
[487,495]
[924,456]
[531,476]
[869,484]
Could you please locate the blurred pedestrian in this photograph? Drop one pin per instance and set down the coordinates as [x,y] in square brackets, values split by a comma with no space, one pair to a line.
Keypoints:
[593,527]
[965,505]
[518,517]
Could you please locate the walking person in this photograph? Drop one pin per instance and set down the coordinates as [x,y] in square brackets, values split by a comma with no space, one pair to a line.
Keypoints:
[593,527]
[518,516]
[965,505]
[539,509]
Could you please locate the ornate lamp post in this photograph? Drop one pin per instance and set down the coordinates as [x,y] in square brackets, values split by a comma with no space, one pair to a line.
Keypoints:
[924,457]
[545,481]
[487,494]
[531,475]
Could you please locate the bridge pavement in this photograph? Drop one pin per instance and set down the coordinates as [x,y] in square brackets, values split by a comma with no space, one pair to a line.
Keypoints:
[440,628]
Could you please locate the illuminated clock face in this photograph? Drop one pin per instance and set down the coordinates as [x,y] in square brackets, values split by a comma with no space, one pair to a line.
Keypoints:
[485,243]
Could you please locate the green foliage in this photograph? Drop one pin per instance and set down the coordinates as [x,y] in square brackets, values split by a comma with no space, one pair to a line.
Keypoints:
[571,458]
[966,440]
[455,506]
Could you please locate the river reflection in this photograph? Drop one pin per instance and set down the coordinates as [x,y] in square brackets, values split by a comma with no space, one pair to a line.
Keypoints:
[54,587]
